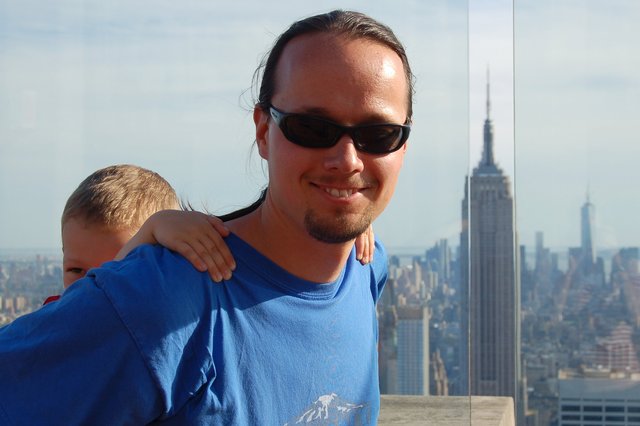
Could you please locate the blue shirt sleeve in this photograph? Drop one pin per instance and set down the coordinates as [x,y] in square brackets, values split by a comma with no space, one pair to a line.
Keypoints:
[169,311]
[74,362]
[380,271]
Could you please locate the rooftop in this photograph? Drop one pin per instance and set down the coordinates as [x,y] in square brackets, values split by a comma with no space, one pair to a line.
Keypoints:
[445,410]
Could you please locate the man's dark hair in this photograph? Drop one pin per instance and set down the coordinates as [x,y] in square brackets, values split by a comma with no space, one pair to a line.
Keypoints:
[245,210]
[340,22]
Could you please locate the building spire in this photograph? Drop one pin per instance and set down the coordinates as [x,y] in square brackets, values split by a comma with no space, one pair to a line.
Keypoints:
[487,164]
[488,94]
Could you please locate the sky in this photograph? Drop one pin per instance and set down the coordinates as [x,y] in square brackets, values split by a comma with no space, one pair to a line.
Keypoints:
[167,85]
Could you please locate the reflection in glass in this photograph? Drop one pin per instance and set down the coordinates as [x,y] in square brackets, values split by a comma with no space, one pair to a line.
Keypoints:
[577,85]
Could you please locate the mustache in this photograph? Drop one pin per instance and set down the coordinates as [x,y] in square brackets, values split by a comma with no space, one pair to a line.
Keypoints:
[359,182]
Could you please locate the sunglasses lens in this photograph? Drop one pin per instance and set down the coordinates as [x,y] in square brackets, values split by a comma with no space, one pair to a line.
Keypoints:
[379,139]
[310,132]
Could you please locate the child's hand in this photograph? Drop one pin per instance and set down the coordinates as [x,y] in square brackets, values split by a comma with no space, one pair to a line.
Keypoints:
[365,246]
[195,235]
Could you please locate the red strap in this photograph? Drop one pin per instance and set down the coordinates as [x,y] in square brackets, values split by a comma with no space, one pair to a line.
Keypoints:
[51,299]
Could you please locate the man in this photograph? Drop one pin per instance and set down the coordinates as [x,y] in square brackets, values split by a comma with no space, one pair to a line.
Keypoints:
[291,337]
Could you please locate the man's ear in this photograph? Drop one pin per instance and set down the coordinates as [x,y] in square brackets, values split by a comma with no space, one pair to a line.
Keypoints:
[261,120]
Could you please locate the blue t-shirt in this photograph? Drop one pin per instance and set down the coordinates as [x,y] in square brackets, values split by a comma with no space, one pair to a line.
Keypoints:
[150,339]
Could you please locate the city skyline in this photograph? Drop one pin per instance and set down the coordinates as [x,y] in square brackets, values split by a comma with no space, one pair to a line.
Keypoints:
[84,81]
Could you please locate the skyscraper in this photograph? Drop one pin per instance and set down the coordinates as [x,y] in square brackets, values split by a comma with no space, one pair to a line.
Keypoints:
[595,400]
[490,283]
[589,268]
[587,235]
[413,350]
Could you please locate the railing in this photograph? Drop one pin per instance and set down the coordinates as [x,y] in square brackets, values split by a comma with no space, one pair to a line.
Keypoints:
[446,411]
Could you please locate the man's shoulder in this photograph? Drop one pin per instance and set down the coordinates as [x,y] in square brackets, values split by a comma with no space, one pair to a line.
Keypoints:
[151,278]
[166,306]
[379,270]
[380,259]
[145,261]
[158,294]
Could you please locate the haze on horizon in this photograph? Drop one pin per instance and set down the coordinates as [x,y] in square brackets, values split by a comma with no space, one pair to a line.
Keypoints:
[167,86]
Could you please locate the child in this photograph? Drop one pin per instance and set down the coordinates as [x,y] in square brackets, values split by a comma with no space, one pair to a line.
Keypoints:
[109,207]
[112,204]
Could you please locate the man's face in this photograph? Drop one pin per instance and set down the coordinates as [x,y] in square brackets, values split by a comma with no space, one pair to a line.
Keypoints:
[86,246]
[333,193]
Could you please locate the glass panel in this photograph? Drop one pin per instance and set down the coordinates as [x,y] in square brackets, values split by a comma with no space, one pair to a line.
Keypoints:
[577,85]
[489,248]
[419,315]
[166,85]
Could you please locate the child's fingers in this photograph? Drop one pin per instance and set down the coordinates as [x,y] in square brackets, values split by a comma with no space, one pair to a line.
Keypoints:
[225,260]
[371,248]
[217,255]
[365,245]
[218,247]
[216,258]
[364,259]
[359,247]
[218,225]
[197,255]
[214,262]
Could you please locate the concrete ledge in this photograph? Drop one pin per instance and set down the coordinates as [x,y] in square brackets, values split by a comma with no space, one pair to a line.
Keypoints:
[446,410]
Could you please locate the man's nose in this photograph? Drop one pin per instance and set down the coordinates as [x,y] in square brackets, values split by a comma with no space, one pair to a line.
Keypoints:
[343,156]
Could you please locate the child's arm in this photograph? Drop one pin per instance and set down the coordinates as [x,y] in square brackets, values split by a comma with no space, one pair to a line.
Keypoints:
[365,246]
[195,235]
[198,237]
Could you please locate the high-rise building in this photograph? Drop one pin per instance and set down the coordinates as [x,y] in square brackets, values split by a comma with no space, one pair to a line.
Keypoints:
[490,282]
[589,269]
[625,278]
[598,400]
[616,351]
[440,381]
[439,258]
[413,350]
[387,324]
[588,249]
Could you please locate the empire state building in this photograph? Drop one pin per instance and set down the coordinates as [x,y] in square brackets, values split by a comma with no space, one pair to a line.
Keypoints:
[490,286]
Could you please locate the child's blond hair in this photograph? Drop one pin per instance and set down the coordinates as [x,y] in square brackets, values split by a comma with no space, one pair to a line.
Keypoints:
[120,197]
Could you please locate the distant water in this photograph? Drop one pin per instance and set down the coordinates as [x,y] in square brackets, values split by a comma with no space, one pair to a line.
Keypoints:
[406,252]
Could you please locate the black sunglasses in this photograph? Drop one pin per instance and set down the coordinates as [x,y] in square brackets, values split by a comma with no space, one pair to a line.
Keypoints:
[315,132]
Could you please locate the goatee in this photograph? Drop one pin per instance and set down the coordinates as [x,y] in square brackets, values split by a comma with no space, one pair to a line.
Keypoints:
[338,228]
